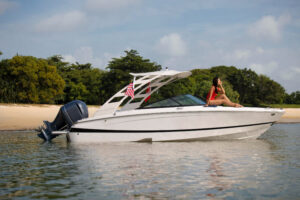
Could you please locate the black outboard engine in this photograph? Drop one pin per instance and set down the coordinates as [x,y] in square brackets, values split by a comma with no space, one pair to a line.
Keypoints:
[66,117]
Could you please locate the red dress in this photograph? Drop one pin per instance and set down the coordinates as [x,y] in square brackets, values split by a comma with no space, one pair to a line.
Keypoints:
[214,94]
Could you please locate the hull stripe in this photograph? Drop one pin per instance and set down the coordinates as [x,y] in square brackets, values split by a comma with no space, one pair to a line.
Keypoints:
[84,130]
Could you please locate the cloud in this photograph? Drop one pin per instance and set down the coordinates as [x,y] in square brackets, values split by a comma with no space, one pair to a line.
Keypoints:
[293,73]
[241,54]
[266,68]
[260,50]
[268,27]
[85,54]
[236,55]
[6,5]
[296,70]
[172,45]
[68,58]
[62,22]
[109,5]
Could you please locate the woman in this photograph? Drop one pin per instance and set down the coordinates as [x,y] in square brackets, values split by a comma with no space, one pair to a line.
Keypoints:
[214,99]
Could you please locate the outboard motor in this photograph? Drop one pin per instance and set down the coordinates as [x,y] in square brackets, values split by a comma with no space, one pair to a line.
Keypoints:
[66,117]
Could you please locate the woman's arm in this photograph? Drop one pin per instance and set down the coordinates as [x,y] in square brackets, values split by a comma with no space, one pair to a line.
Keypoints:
[210,94]
[222,89]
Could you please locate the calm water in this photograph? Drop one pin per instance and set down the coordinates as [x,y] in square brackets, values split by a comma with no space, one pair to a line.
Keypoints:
[268,168]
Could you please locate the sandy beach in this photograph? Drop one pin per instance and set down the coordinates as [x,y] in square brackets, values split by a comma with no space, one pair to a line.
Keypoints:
[291,115]
[29,117]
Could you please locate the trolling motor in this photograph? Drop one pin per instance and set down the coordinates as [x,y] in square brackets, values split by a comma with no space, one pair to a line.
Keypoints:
[66,117]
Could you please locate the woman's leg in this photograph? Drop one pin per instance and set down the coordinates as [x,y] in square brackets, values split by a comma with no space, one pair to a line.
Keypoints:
[218,102]
[227,102]
[223,96]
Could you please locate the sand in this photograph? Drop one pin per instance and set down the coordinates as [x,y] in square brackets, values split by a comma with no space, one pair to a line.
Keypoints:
[30,117]
[291,115]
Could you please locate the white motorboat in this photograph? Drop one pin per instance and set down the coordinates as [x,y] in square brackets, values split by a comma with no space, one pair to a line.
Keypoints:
[180,118]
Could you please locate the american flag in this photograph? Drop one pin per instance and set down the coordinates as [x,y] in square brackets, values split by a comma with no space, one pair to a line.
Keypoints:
[130,91]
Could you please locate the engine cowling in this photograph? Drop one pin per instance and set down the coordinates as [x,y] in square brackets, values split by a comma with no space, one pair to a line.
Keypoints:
[68,115]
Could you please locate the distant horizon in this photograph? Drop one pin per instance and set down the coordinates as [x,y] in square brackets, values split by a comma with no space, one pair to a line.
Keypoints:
[259,35]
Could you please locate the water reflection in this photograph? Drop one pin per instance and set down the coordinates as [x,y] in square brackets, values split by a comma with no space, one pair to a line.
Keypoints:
[34,169]
[216,173]
[266,168]
[173,170]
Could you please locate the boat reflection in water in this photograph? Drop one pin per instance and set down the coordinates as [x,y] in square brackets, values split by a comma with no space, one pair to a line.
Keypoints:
[176,170]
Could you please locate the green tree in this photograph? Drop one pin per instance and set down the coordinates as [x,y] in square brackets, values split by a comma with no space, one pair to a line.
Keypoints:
[203,80]
[7,84]
[182,86]
[246,84]
[57,60]
[225,72]
[269,91]
[82,81]
[204,77]
[119,68]
[27,79]
[242,81]
[295,97]
[252,88]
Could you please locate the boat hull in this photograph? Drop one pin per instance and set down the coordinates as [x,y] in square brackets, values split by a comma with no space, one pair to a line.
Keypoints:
[176,124]
[245,132]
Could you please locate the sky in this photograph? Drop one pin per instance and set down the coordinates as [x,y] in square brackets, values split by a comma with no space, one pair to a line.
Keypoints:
[263,35]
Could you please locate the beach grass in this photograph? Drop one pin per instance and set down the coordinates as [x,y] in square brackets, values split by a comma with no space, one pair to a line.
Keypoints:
[283,105]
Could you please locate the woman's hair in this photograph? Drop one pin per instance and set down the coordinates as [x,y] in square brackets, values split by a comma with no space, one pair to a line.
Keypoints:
[215,83]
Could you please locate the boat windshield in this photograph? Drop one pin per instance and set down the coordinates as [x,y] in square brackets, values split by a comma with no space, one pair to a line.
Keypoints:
[181,100]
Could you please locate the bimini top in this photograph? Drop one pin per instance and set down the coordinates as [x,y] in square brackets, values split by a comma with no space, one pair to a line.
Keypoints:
[141,83]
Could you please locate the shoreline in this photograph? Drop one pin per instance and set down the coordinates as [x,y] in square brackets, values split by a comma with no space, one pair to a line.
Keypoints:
[28,117]
[20,117]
